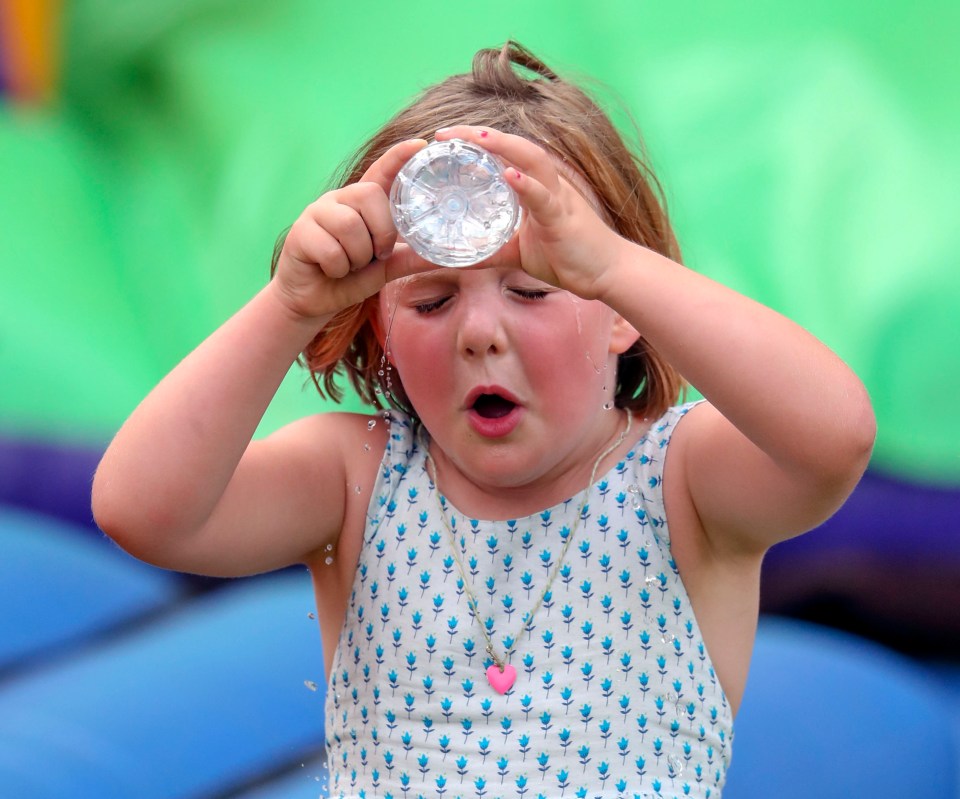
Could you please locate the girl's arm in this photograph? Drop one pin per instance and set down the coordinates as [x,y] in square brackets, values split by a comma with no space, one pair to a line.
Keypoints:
[788,428]
[181,485]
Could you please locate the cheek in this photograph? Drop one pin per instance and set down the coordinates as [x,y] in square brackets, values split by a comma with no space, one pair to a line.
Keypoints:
[577,346]
[421,360]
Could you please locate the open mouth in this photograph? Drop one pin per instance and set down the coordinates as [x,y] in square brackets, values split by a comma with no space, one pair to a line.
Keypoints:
[493,406]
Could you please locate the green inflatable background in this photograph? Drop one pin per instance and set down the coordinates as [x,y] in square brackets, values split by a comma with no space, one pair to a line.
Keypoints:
[809,153]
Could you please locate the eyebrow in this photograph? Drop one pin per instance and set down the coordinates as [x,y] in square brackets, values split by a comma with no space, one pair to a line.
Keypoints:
[438,277]
[442,279]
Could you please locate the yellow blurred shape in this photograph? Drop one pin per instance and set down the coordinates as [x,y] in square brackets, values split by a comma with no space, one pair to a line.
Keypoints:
[29,38]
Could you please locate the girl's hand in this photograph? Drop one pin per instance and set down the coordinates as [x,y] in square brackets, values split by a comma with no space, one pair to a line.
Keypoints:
[562,239]
[343,247]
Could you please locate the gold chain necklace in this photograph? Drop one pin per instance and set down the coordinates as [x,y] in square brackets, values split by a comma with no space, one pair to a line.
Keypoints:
[500,674]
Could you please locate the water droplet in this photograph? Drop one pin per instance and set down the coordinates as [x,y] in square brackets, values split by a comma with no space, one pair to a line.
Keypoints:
[380,372]
[377,390]
[357,489]
[651,580]
[608,406]
[312,686]
[328,560]
[329,547]
[371,424]
[366,447]
[675,764]
[311,615]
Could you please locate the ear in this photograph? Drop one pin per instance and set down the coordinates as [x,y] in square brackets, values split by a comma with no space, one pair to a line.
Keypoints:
[375,315]
[623,335]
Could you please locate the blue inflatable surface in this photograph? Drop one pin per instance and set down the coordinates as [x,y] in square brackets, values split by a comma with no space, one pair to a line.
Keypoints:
[61,587]
[832,716]
[195,703]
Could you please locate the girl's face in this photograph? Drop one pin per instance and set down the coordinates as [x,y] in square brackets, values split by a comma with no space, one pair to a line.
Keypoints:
[509,375]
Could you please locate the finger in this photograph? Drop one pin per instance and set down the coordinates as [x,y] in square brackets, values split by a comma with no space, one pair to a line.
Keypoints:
[384,170]
[542,205]
[314,245]
[373,206]
[349,228]
[529,157]
[359,216]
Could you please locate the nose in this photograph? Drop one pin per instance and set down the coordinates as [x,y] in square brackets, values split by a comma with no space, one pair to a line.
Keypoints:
[481,328]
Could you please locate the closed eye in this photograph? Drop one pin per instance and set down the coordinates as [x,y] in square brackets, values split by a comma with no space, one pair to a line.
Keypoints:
[530,294]
[431,306]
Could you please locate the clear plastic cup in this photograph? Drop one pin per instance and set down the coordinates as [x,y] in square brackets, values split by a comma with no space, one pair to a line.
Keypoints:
[452,205]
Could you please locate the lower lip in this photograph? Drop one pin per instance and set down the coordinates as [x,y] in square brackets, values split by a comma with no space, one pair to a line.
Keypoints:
[495,428]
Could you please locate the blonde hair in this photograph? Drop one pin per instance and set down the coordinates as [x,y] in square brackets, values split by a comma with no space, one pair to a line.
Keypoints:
[511,90]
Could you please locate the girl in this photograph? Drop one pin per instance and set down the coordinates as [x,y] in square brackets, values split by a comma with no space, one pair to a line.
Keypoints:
[535,573]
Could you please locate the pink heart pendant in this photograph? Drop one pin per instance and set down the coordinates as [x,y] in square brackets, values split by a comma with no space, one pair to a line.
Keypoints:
[501,680]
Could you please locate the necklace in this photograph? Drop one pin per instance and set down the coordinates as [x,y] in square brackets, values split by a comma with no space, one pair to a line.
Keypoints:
[500,674]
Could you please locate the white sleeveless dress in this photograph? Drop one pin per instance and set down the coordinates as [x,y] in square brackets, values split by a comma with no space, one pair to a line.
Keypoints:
[615,693]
